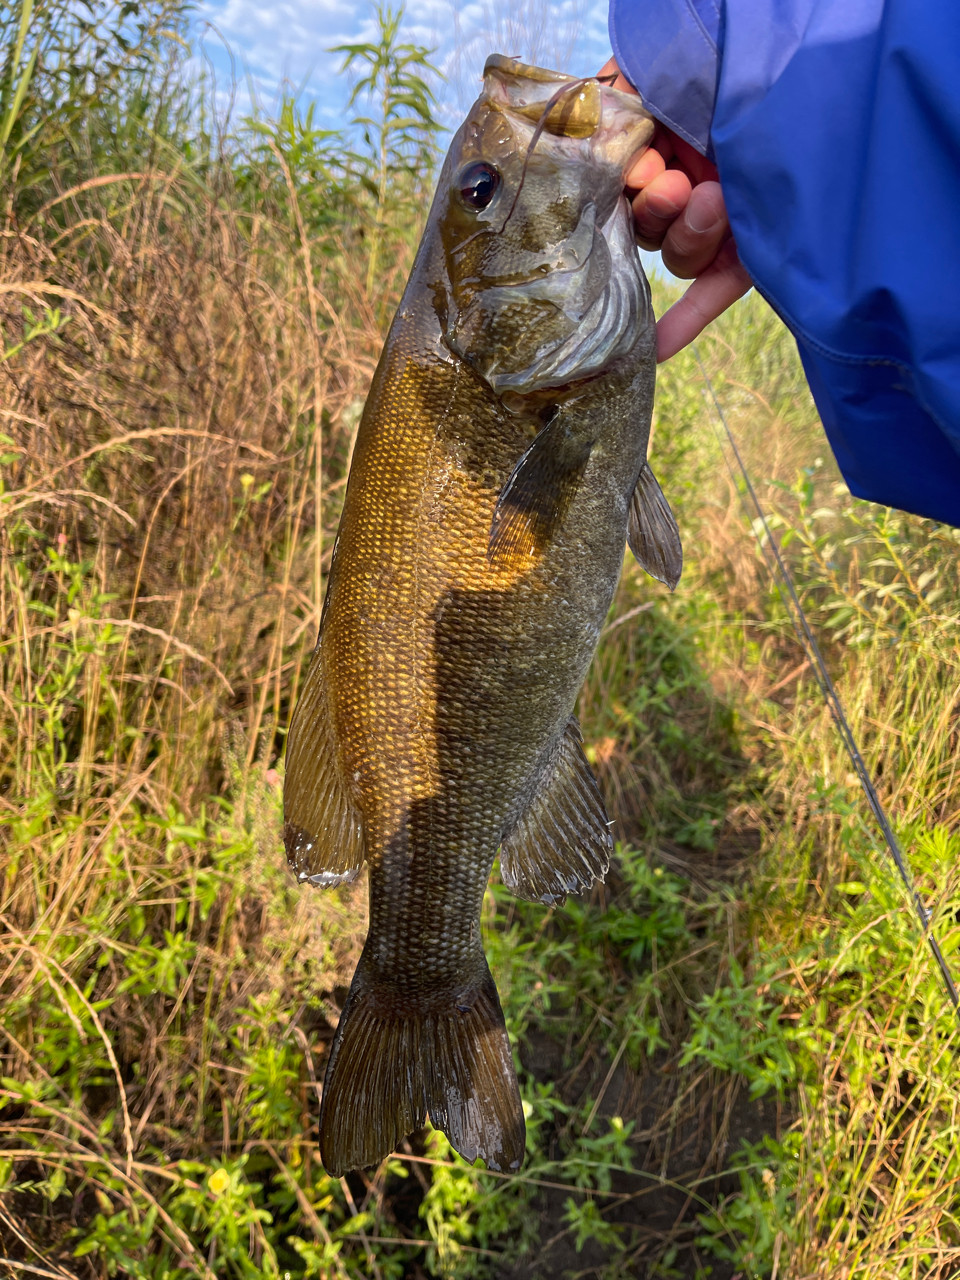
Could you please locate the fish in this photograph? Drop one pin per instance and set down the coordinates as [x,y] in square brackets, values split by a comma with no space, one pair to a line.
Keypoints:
[499,469]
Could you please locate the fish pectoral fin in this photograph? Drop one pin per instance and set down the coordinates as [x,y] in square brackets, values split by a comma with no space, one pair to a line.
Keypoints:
[652,533]
[561,844]
[322,829]
[394,1063]
[533,502]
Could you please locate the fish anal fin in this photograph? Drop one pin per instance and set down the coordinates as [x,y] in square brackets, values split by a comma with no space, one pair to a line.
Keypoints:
[535,499]
[561,844]
[652,532]
[322,829]
[394,1064]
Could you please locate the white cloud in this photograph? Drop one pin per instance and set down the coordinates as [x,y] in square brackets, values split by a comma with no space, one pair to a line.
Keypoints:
[287,44]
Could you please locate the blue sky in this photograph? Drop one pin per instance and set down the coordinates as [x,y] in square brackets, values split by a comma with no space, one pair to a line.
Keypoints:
[287,41]
[272,46]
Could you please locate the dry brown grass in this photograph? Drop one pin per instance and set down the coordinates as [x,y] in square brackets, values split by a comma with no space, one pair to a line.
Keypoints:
[186,434]
[179,452]
[180,446]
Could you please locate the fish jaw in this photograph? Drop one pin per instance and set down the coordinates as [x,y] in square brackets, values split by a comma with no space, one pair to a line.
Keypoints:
[617,123]
[542,285]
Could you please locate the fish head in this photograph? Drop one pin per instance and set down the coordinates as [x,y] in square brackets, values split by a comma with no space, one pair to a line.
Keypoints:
[543,283]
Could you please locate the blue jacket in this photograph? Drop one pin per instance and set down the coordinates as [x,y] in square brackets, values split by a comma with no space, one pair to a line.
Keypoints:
[835,125]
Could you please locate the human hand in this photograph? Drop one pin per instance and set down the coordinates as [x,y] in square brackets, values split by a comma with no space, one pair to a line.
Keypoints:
[678,208]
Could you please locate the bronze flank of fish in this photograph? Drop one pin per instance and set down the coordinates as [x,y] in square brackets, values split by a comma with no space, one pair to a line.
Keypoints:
[499,460]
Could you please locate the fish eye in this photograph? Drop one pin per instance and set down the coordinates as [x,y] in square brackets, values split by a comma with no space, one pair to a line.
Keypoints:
[478,185]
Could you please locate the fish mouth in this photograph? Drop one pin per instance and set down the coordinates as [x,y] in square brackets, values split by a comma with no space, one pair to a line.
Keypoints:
[616,122]
[600,320]
[531,316]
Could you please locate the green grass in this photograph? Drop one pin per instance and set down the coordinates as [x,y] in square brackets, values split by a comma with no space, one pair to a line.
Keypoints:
[736,1057]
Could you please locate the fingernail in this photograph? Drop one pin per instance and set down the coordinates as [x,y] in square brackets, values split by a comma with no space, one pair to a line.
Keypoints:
[660,207]
[700,218]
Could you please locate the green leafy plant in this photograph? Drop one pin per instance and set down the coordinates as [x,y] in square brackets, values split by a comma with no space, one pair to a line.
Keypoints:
[61,64]
[399,134]
[171,471]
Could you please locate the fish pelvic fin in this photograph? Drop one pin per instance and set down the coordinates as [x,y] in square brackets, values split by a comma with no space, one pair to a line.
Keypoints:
[652,533]
[322,830]
[393,1065]
[561,844]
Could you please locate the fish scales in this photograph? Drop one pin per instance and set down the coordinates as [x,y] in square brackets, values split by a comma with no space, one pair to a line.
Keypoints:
[494,475]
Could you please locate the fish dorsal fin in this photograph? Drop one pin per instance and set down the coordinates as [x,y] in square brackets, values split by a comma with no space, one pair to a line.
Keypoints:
[533,502]
[562,843]
[322,830]
[652,532]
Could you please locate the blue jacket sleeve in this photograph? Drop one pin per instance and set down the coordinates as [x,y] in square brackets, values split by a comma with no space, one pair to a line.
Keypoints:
[826,118]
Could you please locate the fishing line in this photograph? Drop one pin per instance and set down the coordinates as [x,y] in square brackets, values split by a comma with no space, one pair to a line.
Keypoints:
[788,594]
[570,87]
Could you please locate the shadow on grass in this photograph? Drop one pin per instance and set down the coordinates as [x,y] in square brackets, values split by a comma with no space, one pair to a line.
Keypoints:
[600,991]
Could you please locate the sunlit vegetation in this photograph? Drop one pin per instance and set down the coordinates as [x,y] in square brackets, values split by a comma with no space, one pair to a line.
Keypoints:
[736,1058]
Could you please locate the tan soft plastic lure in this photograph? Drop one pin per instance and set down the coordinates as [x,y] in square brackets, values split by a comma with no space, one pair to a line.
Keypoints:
[499,462]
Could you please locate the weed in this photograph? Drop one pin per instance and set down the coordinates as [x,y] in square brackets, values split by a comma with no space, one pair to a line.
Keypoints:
[733,1055]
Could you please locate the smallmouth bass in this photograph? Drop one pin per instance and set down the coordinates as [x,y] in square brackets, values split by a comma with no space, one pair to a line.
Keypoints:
[499,467]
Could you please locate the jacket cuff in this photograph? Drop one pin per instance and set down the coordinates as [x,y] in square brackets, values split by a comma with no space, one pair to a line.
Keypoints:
[670,52]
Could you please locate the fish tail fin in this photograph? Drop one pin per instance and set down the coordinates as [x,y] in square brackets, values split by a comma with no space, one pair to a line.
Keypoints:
[392,1065]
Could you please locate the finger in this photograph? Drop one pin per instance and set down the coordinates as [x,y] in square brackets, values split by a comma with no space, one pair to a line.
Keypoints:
[693,240]
[663,140]
[643,176]
[642,171]
[697,166]
[708,297]
[658,205]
